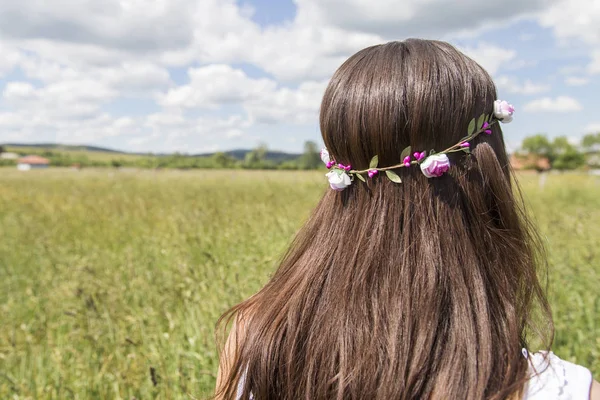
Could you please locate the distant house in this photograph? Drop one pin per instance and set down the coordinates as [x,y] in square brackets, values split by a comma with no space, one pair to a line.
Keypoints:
[32,162]
[529,161]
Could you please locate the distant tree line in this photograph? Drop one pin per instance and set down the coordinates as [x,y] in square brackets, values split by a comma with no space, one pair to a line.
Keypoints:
[255,159]
[558,152]
[561,154]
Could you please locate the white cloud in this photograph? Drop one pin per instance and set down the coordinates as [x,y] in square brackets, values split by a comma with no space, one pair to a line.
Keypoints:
[100,126]
[173,131]
[168,32]
[76,59]
[129,77]
[300,53]
[574,19]
[416,18]
[579,20]
[9,58]
[560,104]
[66,104]
[67,111]
[176,124]
[74,98]
[131,25]
[159,132]
[215,85]
[593,127]
[299,106]
[321,38]
[219,31]
[594,66]
[489,56]
[18,91]
[293,52]
[576,80]
[23,126]
[576,22]
[134,77]
[512,85]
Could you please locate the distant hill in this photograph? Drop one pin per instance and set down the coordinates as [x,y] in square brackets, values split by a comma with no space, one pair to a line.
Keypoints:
[238,154]
[62,147]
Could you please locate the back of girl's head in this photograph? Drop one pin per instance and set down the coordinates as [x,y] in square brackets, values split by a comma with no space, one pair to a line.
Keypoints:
[413,290]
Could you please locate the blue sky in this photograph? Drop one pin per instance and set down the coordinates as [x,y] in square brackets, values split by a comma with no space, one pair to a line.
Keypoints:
[269,12]
[206,75]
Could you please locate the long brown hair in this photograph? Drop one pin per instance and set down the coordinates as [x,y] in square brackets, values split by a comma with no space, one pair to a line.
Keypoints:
[424,289]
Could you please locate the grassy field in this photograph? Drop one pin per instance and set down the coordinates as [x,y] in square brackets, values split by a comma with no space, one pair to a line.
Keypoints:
[111,282]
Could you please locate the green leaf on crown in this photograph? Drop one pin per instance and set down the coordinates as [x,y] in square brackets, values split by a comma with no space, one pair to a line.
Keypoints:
[405,153]
[393,176]
[374,162]
[362,178]
[466,150]
[488,117]
[471,128]
[480,121]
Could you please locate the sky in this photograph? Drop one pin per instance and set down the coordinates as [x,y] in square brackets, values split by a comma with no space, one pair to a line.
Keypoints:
[198,76]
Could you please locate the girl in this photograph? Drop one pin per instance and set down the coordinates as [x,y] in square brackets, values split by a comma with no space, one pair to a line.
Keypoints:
[417,276]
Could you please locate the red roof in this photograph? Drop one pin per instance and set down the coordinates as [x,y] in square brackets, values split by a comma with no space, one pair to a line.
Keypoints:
[34,160]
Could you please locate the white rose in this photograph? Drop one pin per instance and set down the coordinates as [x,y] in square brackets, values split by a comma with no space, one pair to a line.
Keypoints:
[325,156]
[338,180]
[435,165]
[504,111]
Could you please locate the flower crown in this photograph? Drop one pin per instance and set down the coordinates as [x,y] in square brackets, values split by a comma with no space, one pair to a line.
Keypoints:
[432,164]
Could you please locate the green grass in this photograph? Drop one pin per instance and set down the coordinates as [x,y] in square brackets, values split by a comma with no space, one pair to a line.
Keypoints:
[106,276]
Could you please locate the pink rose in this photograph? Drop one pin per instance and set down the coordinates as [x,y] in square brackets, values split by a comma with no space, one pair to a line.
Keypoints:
[435,165]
